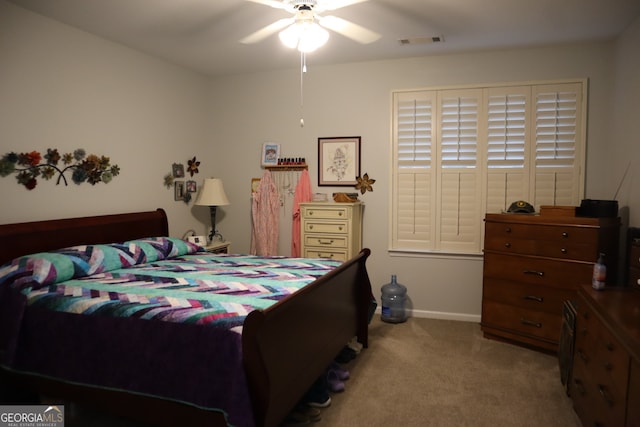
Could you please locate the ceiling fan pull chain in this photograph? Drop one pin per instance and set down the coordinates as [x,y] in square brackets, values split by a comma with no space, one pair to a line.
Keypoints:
[303,69]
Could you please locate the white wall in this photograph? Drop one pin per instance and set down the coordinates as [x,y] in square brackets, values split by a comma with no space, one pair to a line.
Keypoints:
[624,139]
[63,88]
[68,89]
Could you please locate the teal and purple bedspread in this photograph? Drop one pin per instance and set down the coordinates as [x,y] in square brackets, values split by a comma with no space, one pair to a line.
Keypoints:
[156,316]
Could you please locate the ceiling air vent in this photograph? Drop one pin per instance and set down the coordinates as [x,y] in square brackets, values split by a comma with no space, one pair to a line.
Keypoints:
[421,40]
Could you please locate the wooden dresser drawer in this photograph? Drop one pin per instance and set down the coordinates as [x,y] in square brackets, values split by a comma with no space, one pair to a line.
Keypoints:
[327,241]
[537,271]
[601,366]
[525,295]
[601,353]
[534,323]
[593,402]
[543,240]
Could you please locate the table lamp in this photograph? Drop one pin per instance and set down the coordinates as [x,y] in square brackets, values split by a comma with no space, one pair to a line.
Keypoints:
[212,194]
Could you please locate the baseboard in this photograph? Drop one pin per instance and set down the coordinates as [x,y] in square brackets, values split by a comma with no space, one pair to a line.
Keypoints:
[463,317]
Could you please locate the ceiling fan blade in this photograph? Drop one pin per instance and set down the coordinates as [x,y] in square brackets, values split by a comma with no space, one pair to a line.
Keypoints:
[336,4]
[348,29]
[272,3]
[265,32]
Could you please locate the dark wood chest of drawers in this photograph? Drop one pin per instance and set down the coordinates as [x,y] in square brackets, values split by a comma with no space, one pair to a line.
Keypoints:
[606,364]
[532,264]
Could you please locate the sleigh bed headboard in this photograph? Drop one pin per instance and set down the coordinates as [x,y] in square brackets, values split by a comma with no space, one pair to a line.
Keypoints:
[40,236]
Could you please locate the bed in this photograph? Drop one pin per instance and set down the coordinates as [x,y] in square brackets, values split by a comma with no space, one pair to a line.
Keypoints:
[172,372]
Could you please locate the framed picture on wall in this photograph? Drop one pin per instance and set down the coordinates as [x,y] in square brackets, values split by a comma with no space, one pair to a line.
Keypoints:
[270,154]
[338,161]
[178,170]
[178,190]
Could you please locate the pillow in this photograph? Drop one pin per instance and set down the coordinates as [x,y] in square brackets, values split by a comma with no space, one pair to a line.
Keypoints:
[45,268]
[165,247]
[38,270]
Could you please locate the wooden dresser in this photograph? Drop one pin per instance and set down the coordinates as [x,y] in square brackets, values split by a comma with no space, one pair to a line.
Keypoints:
[606,366]
[330,230]
[532,264]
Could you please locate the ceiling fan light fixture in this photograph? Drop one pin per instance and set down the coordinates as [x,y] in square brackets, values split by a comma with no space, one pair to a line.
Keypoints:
[305,36]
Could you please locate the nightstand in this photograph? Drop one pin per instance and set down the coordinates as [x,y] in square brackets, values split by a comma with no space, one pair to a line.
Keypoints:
[218,247]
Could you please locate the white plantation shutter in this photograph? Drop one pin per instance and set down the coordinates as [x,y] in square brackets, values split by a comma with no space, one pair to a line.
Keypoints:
[413,150]
[459,196]
[507,142]
[558,136]
[459,153]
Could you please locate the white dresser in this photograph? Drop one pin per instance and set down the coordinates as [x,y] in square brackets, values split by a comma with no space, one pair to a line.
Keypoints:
[330,230]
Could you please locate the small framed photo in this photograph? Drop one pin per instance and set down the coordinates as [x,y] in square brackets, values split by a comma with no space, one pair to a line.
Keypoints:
[270,154]
[338,161]
[179,193]
[178,170]
[191,186]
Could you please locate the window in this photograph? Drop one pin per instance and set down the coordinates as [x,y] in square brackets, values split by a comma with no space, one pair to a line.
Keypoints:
[458,153]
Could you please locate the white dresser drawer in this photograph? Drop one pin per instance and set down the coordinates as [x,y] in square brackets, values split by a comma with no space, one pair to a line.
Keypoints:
[326,212]
[338,255]
[338,227]
[325,241]
[330,230]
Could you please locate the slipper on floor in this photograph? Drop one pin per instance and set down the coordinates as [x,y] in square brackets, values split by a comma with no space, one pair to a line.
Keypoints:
[334,383]
[342,373]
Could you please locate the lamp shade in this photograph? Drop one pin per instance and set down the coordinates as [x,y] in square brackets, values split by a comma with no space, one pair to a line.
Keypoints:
[212,193]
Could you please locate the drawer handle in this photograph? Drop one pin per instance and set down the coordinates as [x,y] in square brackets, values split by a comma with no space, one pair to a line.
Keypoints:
[565,234]
[583,356]
[310,213]
[340,228]
[339,213]
[325,242]
[507,245]
[531,323]
[580,385]
[608,366]
[609,346]
[325,256]
[533,298]
[603,392]
[534,272]
[507,230]
[311,227]
[564,251]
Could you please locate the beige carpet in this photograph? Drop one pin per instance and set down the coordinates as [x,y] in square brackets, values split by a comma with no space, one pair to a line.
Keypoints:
[429,372]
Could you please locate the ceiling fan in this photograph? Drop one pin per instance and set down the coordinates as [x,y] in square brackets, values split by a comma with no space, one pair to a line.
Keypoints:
[303,30]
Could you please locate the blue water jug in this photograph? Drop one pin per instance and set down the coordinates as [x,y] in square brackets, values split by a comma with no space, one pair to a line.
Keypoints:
[394,299]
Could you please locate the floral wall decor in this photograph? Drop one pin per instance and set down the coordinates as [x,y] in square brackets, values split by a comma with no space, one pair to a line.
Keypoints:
[181,190]
[31,166]
[364,183]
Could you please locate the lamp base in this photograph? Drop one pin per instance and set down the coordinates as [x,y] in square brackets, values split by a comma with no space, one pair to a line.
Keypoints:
[214,232]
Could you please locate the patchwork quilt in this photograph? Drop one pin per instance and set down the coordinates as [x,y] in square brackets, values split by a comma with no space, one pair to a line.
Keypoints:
[159,316]
[161,279]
